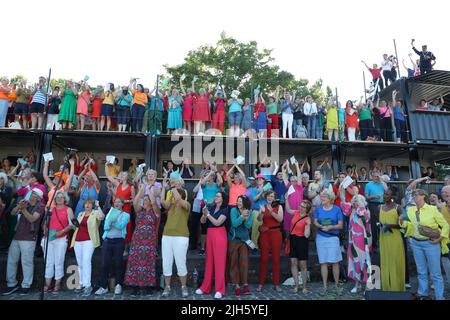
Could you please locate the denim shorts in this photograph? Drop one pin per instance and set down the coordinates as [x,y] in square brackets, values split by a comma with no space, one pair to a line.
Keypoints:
[235,118]
[37,108]
[107,110]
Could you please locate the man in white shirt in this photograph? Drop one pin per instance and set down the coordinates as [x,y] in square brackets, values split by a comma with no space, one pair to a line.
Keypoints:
[310,111]
[386,65]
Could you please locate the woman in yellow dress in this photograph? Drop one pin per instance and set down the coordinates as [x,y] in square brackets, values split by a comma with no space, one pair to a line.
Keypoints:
[332,121]
[392,252]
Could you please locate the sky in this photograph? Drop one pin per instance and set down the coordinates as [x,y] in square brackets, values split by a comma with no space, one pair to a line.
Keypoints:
[112,41]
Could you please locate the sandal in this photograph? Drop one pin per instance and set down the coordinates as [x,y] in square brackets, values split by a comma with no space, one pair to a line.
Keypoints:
[48,289]
[323,292]
[305,291]
[56,289]
[259,289]
[295,290]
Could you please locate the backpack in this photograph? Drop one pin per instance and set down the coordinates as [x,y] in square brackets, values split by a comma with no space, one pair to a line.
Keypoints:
[301,132]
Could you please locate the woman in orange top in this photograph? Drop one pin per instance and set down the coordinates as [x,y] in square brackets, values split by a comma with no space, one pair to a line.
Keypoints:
[140,100]
[238,186]
[5,90]
[351,120]
[125,191]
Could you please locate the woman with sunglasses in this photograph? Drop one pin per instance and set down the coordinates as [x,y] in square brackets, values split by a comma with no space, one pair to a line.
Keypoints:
[300,231]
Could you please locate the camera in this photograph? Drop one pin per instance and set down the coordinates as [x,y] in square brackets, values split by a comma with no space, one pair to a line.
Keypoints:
[275,203]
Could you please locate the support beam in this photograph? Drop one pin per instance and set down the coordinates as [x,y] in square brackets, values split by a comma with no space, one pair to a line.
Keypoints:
[336,158]
[148,151]
[404,93]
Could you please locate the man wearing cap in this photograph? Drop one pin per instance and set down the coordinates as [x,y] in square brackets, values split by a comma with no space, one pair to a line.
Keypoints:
[426,57]
[29,215]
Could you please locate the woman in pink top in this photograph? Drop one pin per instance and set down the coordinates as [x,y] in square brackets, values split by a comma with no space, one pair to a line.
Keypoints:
[60,225]
[294,193]
[36,181]
[237,184]
[385,120]
[83,106]
[189,100]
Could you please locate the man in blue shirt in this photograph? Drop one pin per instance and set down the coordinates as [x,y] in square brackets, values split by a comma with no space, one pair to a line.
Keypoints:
[374,193]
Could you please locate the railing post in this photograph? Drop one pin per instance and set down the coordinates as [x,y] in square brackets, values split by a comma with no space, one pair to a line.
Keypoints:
[414,162]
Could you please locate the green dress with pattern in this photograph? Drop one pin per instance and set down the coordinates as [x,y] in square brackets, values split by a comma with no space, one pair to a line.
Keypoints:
[68,110]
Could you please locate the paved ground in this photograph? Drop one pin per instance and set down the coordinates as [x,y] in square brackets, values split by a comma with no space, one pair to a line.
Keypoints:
[268,293]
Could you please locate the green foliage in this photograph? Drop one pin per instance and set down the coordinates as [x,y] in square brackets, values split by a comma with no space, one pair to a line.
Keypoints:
[239,65]
[18,78]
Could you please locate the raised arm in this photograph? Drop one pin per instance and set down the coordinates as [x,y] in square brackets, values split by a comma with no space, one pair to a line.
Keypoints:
[229,181]
[97,182]
[110,179]
[365,64]
[71,174]
[137,198]
[48,181]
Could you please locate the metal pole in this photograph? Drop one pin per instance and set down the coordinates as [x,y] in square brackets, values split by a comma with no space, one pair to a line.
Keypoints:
[156,105]
[365,88]
[396,56]
[338,111]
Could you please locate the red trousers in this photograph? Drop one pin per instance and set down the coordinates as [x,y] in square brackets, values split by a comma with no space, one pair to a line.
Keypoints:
[216,260]
[270,242]
[219,118]
[273,126]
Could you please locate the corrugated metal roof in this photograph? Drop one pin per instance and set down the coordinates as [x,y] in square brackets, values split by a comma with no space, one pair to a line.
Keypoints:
[429,86]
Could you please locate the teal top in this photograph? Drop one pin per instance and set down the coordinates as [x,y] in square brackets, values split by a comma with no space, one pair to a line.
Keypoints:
[235,107]
[272,108]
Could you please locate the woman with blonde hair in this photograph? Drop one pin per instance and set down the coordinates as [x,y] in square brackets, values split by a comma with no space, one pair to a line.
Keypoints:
[60,225]
[359,240]
[329,220]
[84,240]
[175,120]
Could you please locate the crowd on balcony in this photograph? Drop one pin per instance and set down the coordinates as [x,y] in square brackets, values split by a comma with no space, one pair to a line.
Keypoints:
[277,210]
[213,111]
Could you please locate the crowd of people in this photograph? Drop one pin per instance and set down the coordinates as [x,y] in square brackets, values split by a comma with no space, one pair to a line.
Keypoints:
[208,110]
[278,210]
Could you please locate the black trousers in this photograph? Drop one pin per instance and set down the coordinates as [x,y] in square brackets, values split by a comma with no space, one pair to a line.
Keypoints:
[112,252]
[366,129]
[424,70]
[400,128]
[386,129]
[374,209]
[194,223]
[389,77]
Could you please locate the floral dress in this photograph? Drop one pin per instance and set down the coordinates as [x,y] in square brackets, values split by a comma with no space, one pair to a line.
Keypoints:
[141,266]
[359,242]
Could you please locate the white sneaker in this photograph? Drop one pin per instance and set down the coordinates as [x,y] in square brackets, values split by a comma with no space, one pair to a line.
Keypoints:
[101,291]
[118,289]
[198,292]
[218,295]
[184,292]
[408,286]
[354,290]
[166,292]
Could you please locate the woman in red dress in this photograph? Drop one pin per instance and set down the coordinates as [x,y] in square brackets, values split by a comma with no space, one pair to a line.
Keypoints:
[125,191]
[202,111]
[96,107]
[351,120]
[189,100]
[270,240]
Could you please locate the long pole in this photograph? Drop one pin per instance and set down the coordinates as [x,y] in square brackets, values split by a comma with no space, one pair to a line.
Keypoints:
[48,89]
[47,220]
[365,88]
[156,105]
[396,56]
[338,111]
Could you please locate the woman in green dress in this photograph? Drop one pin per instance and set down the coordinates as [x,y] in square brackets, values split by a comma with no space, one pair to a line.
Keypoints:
[392,252]
[68,113]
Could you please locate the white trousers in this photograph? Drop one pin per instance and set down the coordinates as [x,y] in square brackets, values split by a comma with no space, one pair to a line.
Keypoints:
[351,134]
[55,258]
[83,252]
[52,121]
[288,120]
[174,248]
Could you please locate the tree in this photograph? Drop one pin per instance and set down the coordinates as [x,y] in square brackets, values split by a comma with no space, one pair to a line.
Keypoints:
[238,65]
